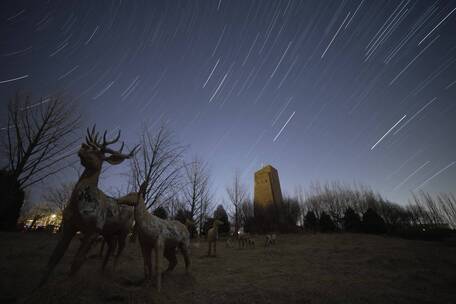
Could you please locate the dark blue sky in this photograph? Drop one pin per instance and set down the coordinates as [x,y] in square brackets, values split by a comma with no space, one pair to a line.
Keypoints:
[311,87]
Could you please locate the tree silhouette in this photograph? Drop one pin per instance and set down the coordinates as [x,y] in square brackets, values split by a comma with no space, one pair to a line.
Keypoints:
[351,221]
[161,212]
[58,196]
[373,223]
[237,194]
[197,191]
[326,223]
[221,215]
[290,212]
[310,221]
[39,138]
[160,163]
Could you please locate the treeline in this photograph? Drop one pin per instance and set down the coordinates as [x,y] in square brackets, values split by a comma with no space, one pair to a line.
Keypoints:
[336,207]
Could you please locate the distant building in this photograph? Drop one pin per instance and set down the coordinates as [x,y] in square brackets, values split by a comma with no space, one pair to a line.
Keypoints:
[267,198]
[267,187]
[48,221]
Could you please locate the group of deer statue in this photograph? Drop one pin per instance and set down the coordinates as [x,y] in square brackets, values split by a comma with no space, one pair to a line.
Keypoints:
[92,213]
[246,240]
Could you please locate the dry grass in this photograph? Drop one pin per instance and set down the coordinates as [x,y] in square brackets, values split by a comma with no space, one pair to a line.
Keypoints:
[320,268]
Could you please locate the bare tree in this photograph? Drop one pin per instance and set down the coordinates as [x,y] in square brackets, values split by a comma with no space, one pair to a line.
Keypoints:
[447,204]
[237,194]
[174,205]
[58,196]
[301,197]
[197,194]
[437,209]
[246,211]
[160,163]
[38,138]
[205,207]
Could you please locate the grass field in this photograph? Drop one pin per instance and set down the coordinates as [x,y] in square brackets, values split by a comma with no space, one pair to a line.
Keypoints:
[305,268]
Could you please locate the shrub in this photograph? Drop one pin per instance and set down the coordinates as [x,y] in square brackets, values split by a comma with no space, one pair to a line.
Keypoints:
[289,211]
[266,218]
[222,216]
[12,200]
[373,223]
[310,221]
[326,223]
[351,221]
[161,213]
[249,224]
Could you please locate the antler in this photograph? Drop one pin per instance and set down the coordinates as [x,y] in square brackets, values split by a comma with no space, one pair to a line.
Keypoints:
[95,142]
[109,142]
[92,138]
[119,152]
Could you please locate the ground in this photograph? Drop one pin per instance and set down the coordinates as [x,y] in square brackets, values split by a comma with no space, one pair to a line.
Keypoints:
[300,268]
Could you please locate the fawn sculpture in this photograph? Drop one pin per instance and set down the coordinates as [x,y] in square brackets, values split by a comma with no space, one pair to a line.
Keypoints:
[89,210]
[164,237]
[212,237]
[270,239]
[246,240]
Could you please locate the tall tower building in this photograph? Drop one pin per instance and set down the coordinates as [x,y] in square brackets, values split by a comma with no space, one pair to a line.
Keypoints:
[267,187]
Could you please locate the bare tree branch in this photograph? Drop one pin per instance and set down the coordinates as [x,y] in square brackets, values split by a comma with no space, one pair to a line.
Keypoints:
[197,192]
[38,137]
[160,163]
[237,194]
[57,197]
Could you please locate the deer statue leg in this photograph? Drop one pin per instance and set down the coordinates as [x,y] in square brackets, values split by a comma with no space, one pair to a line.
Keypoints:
[134,234]
[111,241]
[68,232]
[81,254]
[158,248]
[185,253]
[100,254]
[209,244]
[215,248]
[120,247]
[146,252]
[170,255]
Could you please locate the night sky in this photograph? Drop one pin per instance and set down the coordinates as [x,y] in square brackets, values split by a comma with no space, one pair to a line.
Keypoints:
[354,91]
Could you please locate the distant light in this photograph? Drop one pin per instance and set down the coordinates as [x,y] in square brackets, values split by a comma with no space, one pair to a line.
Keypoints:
[53,216]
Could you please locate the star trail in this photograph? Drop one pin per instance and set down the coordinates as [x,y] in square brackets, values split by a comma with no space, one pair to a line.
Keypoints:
[310,87]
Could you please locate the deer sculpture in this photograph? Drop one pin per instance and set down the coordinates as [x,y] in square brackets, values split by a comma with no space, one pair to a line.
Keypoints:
[212,237]
[116,232]
[245,240]
[270,239]
[89,210]
[164,237]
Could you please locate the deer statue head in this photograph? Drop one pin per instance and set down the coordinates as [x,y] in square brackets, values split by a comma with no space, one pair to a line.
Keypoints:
[95,150]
